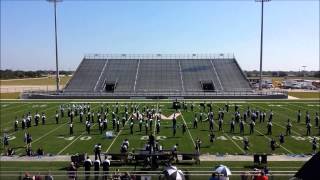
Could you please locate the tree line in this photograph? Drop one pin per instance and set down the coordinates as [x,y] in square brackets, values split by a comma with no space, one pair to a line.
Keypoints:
[256,73]
[19,74]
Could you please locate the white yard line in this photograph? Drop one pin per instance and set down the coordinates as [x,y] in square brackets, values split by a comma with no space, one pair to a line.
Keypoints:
[301,107]
[295,132]
[187,129]
[61,151]
[38,139]
[46,109]
[296,111]
[18,131]
[270,140]
[118,134]
[8,108]
[278,123]
[116,137]
[95,108]
[16,112]
[236,144]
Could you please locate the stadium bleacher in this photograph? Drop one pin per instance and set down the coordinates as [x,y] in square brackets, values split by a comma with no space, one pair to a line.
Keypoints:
[158,73]
[195,71]
[86,75]
[230,75]
[158,76]
[121,71]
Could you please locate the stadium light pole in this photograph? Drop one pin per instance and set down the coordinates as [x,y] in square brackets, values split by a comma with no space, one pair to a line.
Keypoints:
[56,41]
[261,41]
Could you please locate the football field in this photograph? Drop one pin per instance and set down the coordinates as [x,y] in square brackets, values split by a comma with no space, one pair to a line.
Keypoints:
[55,139]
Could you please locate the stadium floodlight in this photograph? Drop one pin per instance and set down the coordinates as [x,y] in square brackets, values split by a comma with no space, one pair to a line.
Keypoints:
[261,41]
[56,41]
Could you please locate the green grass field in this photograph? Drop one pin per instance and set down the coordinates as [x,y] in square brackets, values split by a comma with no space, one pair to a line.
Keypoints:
[55,139]
[304,95]
[14,95]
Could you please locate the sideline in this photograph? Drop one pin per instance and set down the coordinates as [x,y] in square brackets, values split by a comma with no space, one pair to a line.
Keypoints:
[203,157]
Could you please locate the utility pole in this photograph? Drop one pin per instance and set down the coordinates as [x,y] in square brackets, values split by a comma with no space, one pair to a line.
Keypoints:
[304,72]
[261,41]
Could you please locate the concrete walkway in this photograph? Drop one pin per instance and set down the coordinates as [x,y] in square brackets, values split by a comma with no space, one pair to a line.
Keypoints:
[204,157]
[292,97]
[208,157]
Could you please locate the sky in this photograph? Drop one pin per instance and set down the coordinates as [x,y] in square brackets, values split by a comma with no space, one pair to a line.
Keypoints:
[291,31]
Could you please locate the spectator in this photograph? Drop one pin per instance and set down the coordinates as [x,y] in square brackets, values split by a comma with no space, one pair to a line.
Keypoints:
[48,177]
[266,170]
[72,171]
[27,176]
[105,168]
[246,176]
[87,167]
[213,177]
[174,152]
[197,156]
[96,165]
[125,176]
[262,176]
[116,175]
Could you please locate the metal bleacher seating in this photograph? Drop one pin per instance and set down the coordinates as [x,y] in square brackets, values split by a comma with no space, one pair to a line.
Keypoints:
[230,75]
[195,71]
[158,75]
[86,75]
[121,71]
[154,74]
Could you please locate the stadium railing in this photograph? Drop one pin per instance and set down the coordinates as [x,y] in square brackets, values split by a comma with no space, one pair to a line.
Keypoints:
[198,175]
[160,56]
[162,94]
